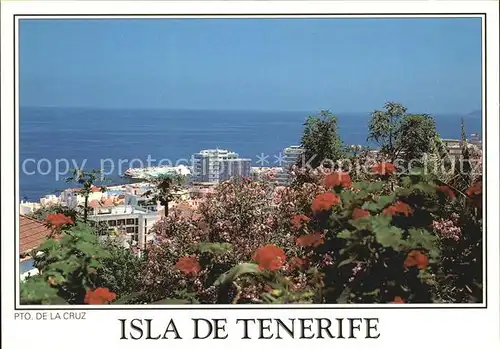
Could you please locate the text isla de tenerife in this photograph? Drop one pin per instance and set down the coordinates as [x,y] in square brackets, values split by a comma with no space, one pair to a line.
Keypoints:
[252,328]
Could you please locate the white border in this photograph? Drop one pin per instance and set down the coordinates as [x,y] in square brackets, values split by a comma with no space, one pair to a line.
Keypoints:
[471,322]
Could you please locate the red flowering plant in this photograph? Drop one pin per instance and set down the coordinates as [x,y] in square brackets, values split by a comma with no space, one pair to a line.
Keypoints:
[100,295]
[326,241]
[68,265]
[57,222]
[359,236]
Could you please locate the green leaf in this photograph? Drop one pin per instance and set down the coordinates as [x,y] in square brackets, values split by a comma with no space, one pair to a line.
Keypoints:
[35,290]
[346,261]
[213,247]
[385,200]
[344,296]
[425,187]
[380,221]
[361,223]
[345,234]
[127,298]
[382,202]
[236,271]
[347,197]
[389,237]
[369,187]
[269,298]
[86,247]
[63,266]
[94,263]
[375,292]
[49,244]
[406,181]
[172,301]
[421,238]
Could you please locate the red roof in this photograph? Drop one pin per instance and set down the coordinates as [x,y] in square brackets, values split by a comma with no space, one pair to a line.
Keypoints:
[94,189]
[32,233]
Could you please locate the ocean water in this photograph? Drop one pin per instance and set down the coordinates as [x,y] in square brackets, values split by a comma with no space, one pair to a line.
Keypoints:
[54,139]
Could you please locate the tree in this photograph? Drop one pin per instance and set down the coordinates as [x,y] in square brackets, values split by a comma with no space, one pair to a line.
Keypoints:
[321,143]
[119,272]
[417,134]
[165,190]
[87,180]
[401,135]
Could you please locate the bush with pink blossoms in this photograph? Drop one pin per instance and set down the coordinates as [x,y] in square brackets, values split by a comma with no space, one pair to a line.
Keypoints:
[447,228]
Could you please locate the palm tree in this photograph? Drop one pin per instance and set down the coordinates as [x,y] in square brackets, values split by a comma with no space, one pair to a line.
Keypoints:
[87,180]
[165,189]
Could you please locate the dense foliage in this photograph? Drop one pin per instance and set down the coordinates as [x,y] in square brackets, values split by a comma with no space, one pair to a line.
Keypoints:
[382,236]
[321,141]
[400,135]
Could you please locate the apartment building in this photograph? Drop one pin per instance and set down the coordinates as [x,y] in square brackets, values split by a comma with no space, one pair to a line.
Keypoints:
[134,222]
[216,165]
[290,157]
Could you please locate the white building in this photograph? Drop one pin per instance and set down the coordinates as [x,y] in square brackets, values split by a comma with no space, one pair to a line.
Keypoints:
[28,207]
[291,156]
[49,200]
[133,222]
[265,173]
[72,198]
[144,173]
[216,165]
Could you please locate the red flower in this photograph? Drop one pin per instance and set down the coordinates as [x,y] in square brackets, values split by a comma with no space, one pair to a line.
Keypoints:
[298,220]
[314,239]
[99,296]
[398,207]
[324,202]
[57,220]
[338,179]
[447,191]
[188,265]
[360,213]
[384,168]
[270,257]
[416,258]
[398,300]
[298,263]
[476,189]
[475,194]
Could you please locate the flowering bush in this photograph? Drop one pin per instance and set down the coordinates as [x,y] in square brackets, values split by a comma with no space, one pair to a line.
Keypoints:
[68,265]
[325,239]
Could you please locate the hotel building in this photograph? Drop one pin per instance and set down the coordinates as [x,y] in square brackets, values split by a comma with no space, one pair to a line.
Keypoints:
[133,222]
[217,165]
[291,156]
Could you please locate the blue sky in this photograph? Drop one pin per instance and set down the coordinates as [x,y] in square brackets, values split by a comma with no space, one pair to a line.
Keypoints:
[346,65]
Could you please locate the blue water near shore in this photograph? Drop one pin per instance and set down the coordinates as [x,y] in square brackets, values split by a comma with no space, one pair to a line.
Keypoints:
[93,135]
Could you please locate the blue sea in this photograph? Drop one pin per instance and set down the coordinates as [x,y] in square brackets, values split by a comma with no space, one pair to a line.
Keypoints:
[95,137]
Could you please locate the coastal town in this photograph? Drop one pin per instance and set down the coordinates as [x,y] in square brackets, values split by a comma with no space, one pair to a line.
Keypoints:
[130,214]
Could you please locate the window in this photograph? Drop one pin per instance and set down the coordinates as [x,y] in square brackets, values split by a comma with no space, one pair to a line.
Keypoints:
[112,223]
[136,221]
[120,222]
[130,221]
[130,230]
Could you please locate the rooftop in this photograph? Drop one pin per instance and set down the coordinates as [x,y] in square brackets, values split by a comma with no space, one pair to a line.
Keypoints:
[32,233]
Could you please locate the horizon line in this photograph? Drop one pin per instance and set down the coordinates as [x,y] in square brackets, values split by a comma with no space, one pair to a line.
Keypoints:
[458,113]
